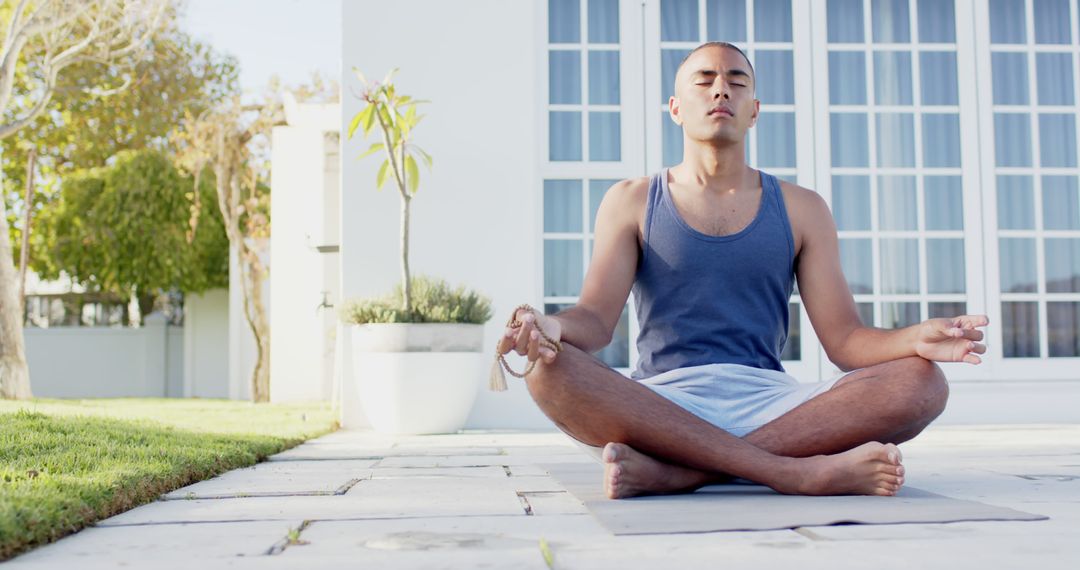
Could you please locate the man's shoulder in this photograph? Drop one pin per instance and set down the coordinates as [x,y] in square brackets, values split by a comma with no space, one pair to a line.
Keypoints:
[801,200]
[633,189]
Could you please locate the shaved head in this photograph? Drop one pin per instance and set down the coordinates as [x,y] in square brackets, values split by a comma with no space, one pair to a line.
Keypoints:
[718,45]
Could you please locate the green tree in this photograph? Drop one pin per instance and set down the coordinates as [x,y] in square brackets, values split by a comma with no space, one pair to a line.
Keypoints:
[82,127]
[124,229]
[38,41]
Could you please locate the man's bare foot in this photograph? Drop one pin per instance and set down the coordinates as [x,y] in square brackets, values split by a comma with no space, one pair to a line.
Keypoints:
[870,469]
[629,473]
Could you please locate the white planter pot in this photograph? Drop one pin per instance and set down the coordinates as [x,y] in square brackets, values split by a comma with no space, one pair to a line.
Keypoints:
[417,378]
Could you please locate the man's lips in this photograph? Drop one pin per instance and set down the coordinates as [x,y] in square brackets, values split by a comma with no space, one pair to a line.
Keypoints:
[721,110]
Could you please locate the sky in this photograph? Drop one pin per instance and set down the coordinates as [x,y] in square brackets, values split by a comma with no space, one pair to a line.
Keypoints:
[291,38]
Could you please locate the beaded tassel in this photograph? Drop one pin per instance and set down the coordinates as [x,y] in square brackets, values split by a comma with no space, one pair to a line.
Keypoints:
[497,380]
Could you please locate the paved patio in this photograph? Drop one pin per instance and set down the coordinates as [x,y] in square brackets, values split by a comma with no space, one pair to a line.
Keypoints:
[479,500]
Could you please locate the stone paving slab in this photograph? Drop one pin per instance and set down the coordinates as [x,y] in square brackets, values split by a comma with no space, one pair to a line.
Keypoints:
[337,452]
[143,546]
[280,478]
[484,471]
[477,460]
[381,498]
[463,501]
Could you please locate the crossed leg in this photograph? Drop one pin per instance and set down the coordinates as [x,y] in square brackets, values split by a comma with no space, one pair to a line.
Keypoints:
[841,442]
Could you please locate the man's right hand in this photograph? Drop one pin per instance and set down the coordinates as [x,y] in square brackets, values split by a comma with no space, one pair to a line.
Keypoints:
[526,340]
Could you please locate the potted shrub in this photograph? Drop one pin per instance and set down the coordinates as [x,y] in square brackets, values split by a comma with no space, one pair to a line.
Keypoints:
[417,352]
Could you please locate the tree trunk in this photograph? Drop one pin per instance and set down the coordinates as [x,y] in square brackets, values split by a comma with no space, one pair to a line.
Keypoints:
[14,372]
[406,281]
[252,274]
[251,277]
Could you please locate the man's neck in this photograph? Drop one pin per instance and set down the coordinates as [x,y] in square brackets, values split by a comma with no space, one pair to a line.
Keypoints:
[714,168]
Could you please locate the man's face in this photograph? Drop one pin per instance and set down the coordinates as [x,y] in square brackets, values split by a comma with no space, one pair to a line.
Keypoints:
[714,96]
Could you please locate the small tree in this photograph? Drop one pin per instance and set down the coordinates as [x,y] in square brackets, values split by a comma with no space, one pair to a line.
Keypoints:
[44,38]
[396,116]
[123,229]
[226,142]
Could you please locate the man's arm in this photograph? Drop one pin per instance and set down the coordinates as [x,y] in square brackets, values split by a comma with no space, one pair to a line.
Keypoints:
[589,324]
[831,307]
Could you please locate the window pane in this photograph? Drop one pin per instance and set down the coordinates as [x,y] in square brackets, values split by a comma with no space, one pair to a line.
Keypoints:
[553,308]
[678,21]
[899,315]
[564,21]
[899,266]
[1063,324]
[1012,139]
[938,78]
[597,189]
[793,345]
[944,202]
[851,202]
[1061,208]
[604,21]
[1055,73]
[604,137]
[617,353]
[1010,78]
[847,78]
[669,64]
[941,140]
[1017,256]
[772,20]
[726,20]
[897,206]
[892,77]
[890,21]
[937,21]
[565,135]
[896,139]
[564,77]
[1062,265]
[848,139]
[776,140]
[604,77]
[945,310]
[1020,329]
[1007,22]
[845,20]
[866,313]
[1052,21]
[1015,203]
[562,205]
[945,266]
[562,267]
[672,142]
[775,77]
[1057,140]
[857,261]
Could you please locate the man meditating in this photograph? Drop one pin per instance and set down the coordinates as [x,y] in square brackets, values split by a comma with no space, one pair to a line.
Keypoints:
[711,248]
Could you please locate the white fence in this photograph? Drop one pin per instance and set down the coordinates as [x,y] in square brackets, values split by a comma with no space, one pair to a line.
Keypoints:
[156,360]
[103,362]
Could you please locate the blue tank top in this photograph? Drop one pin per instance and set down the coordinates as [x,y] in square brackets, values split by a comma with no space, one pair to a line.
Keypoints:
[705,299]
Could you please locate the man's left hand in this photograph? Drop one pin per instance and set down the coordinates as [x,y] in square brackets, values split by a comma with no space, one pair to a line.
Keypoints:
[952,340]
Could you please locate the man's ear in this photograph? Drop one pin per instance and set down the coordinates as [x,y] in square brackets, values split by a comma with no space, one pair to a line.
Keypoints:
[757,111]
[673,110]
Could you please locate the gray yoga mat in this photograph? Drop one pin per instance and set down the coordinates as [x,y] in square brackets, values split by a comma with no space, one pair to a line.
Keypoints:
[755,507]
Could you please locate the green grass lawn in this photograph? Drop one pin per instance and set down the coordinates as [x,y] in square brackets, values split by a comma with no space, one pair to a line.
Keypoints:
[65,464]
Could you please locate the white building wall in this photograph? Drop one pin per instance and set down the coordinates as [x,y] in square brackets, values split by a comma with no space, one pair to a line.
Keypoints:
[206,345]
[476,216]
[305,187]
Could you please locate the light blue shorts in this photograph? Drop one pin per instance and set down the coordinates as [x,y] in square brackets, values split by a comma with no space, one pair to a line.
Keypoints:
[733,397]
